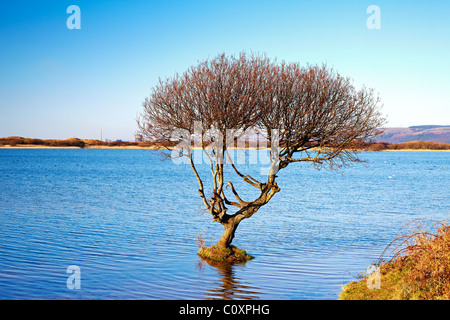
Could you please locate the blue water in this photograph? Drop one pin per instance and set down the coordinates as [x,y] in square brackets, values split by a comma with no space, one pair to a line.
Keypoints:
[129,221]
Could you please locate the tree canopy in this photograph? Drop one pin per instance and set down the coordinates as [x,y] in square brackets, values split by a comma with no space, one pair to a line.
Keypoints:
[309,114]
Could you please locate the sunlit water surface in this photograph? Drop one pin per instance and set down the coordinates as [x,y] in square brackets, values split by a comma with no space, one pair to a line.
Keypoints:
[129,222]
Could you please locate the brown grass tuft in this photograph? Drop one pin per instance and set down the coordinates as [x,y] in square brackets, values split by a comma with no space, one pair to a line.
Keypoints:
[418,265]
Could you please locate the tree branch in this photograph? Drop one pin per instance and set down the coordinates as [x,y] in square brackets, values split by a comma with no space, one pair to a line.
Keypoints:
[200,182]
[247,178]
[242,202]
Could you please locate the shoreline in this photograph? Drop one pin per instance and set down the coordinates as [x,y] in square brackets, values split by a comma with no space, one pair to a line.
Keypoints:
[69,147]
[194,148]
[425,150]
[418,269]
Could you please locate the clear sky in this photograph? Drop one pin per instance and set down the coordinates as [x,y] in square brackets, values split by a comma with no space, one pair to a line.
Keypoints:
[57,82]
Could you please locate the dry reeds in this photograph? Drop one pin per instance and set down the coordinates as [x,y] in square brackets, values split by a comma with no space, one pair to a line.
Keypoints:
[421,255]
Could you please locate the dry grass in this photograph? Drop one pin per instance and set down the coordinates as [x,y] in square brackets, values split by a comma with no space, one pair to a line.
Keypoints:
[220,255]
[200,241]
[428,257]
[418,265]
[228,255]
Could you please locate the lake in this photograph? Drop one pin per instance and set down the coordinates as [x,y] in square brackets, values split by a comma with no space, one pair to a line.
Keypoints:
[129,221]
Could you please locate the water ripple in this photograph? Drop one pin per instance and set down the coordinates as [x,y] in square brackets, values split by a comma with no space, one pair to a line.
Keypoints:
[129,221]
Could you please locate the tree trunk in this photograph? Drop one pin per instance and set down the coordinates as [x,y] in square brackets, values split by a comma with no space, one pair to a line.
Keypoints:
[223,251]
[228,234]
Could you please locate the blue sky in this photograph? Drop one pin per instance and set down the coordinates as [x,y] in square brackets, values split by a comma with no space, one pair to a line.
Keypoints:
[60,83]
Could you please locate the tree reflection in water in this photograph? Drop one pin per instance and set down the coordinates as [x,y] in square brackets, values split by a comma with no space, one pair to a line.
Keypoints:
[230,287]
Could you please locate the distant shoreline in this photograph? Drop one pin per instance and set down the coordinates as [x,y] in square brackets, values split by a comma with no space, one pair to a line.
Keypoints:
[156,148]
[425,150]
[75,143]
[70,147]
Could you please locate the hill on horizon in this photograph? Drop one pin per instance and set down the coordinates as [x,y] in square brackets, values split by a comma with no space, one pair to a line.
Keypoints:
[429,133]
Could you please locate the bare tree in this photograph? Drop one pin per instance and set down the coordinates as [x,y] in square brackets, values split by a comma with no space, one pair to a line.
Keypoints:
[310,114]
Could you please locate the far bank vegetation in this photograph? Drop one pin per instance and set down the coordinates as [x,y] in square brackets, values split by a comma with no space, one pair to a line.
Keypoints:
[80,143]
[86,143]
[413,145]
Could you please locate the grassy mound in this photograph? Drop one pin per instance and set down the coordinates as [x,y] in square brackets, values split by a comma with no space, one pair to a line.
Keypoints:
[392,285]
[418,271]
[229,255]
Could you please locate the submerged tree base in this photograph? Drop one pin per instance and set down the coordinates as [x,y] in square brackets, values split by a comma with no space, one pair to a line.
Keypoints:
[227,255]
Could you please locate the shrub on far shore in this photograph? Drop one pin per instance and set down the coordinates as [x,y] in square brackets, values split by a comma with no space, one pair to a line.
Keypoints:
[72,142]
[14,141]
[414,145]
[420,145]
